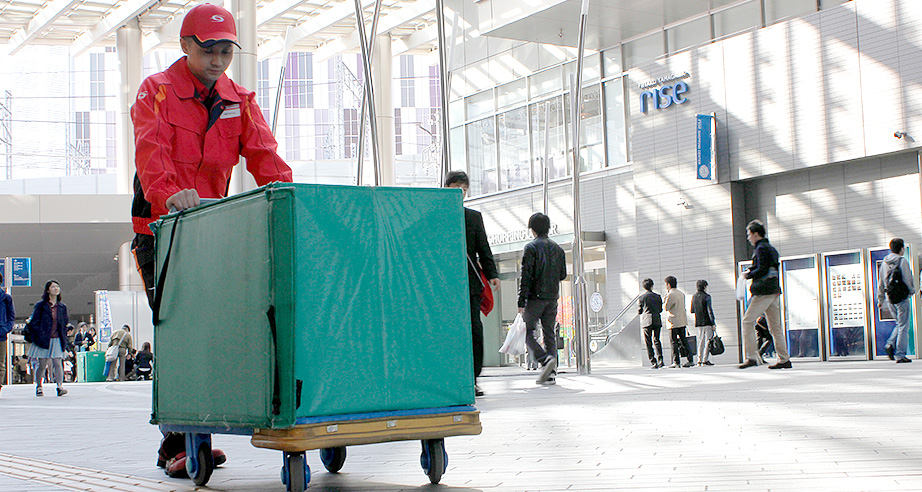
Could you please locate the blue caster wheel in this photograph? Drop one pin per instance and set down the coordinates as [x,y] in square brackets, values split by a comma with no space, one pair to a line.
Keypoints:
[295,472]
[434,459]
[333,458]
[199,461]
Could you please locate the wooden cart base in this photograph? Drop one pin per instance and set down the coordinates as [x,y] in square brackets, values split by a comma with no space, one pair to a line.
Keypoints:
[337,433]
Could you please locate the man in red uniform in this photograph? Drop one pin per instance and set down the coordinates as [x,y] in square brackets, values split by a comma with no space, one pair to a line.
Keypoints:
[191,124]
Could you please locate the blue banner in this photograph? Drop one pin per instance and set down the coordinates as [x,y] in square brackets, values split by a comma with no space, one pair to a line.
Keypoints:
[707,152]
[22,272]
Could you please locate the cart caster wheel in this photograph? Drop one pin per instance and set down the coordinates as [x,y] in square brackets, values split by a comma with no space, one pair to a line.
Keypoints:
[434,459]
[295,472]
[333,458]
[203,466]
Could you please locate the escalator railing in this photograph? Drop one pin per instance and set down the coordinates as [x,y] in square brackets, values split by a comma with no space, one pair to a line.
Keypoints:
[614,343]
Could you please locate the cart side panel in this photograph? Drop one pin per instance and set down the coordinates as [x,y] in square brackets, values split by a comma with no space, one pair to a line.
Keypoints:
[214,342]
[382,317]
[282,247]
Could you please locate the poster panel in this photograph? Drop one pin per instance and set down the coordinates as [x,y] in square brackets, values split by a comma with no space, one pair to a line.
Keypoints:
[847,303]
[801,307]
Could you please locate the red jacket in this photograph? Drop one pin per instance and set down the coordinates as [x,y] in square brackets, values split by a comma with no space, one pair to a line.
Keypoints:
[175,149]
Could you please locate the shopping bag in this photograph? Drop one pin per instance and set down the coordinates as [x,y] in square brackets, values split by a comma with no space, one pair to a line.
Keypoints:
[515,338]
[112,353]
[741,287]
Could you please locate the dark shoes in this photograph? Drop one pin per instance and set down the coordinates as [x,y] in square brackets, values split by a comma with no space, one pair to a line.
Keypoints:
[38,391]
[781,365]
[549,369]
[62,391]
[748,363]
[477,390]
[688,364]
[708,363]
[903,360]
[890,351]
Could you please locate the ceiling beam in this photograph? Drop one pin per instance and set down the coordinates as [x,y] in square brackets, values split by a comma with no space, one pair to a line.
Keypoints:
[46,16]
[110,23]
[310,27]
[275,9]
[389,22]
[164,34]
[405,44]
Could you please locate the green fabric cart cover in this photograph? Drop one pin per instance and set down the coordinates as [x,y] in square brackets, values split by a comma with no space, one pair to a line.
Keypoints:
[300,300]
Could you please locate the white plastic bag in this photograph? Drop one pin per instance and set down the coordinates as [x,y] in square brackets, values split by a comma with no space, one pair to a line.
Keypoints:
[515,338]
[741,287]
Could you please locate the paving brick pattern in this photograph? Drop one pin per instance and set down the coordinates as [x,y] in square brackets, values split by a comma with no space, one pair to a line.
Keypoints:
[848,426]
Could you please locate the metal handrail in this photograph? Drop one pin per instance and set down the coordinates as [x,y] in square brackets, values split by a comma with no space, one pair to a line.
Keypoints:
[617,318]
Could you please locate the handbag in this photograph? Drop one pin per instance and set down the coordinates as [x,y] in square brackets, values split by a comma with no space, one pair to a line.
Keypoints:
[112,351]
[715,345]
[486,297]
[515,338]
[27,332]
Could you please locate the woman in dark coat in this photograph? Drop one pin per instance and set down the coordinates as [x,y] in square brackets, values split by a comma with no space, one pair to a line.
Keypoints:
[49,336]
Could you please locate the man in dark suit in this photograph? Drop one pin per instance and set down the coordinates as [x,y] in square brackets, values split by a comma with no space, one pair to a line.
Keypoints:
[479,258]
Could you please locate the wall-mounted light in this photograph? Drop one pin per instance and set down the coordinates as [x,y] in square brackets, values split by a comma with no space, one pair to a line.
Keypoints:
[899,135]
[683,202]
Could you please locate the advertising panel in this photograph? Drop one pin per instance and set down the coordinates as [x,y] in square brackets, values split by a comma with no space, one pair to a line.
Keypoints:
[800,286]
[847,304]
[883,319]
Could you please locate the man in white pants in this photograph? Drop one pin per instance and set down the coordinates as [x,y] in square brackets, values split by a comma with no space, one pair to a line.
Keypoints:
[766,294]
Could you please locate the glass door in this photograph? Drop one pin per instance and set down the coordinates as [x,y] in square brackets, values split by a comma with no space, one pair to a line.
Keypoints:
[883,320]
[846,305]
[800,305]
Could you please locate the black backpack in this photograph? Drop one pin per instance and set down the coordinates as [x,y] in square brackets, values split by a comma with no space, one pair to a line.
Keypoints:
[897,290]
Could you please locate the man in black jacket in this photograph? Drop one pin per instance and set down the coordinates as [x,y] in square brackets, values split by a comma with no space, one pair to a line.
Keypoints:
[479,258]
[544,265]
[650,307]
[766,292]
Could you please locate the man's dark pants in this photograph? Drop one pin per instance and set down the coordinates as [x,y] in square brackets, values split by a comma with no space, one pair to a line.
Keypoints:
[679,340]
[476,334]
[144,254]
[651,338]
[546,311]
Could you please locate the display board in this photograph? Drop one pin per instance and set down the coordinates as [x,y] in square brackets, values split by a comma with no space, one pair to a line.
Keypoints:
[800,284]
[883,320]
[847,304]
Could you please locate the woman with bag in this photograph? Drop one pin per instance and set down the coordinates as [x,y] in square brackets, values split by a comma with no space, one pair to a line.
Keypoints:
[118,350]
[49,337]
[704,321]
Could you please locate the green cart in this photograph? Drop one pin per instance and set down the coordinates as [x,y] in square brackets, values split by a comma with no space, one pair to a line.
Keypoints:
[315,317]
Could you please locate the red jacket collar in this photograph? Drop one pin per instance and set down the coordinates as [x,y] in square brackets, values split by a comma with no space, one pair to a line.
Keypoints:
[184,83]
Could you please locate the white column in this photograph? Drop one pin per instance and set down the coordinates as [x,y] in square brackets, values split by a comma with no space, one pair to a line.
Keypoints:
[384,106]
[244,73]
[128,48]
[128,276]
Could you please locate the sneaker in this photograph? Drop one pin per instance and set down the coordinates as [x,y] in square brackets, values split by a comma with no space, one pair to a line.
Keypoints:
[688,364]
[549,368]
[903,360]
[654,365]
[218,457]
[673,366]
[38,391]
[748,363]
[890,351]
[781,365]
[550,381]
[62,391]
[708,363]
[176,467]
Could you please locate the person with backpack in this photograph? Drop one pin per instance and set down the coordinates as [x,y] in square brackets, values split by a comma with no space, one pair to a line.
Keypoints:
[895,286]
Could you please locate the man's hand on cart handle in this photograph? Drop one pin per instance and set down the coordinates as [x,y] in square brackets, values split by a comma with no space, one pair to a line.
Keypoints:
[182,200]
[494,283]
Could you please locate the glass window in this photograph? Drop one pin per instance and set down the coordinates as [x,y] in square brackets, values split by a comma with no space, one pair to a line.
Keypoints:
[548,118]
[407,82]
[614,122]
[514,155]
[97,81]
[592,70]
[736,19]
[111,142]
[479,104]
[776,10]
[643,50]
[592,148]
[457,149]
[292,136]
[611,62]
[398,132]
[546,82]
[299,81]
[828,4]
[456,112]
[512,93]
[689,34]
[351,132]
[481,141]
[262,88]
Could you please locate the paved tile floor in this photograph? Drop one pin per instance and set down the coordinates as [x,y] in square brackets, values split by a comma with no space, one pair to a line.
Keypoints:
[846,426]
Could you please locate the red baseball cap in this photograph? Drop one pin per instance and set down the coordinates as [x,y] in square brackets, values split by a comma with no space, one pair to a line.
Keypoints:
[209,24]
